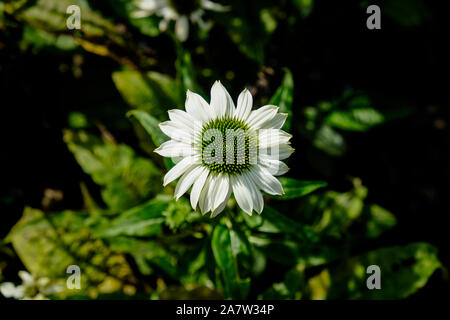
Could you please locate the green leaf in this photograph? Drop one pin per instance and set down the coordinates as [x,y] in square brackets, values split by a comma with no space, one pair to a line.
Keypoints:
[35,243]
[186,71]
[268,20]
[276,222]
[335,212]
[360,119]
[177,213]
[284,97]
[379,221]
[152,92]
[304,7]
[40,39]
[143,220]
[147,254]
[151,126]
[51,16]
[330,141]
[285,252]
[126,178]
[225,257]
[404,270]
[48,243]
[294,188]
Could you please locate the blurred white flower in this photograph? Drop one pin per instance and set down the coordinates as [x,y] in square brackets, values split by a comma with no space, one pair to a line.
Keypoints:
[9,290]
[226,149]
[180,11]
[30,288]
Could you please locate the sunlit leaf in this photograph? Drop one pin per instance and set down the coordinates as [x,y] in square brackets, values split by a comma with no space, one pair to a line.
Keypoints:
[379,221]
[360,119]
[143,220]
[152,92]
[294,188]
[48,243]
[151,126]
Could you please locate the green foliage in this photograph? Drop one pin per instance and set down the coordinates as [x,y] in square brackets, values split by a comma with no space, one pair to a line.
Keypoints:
[143,220]
[147,254]
[150,124]
[355,119]
[152,92]
[226,246]
[304,7]
[125,8]
[325,124]
[404,270]
[284,97]
[294,188]
[126,178]
[129,236]
[41,39]
[48,243]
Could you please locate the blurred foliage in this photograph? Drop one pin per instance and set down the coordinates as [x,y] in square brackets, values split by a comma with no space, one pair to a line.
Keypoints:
[134,240]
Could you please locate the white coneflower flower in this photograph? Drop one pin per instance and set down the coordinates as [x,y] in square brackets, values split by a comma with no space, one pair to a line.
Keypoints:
[179,11]
[226,149]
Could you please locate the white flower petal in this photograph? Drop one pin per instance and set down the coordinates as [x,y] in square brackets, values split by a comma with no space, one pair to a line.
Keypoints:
[182,28]
[272,137]
[9,290]
[275,167]
[265,181]
[176,132]
[259,117]
[244,105]
[222,206]
[182,119]
[173,148]
[276,122]
[220,190]
[209,5]
[180,168]
[167,12]
[257,198]
[186,181]
[204,201]
[164,24]
[284,151]
[197,107]
[221,101]
[27,278]
[242,193]
[198,187]
[151,5]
